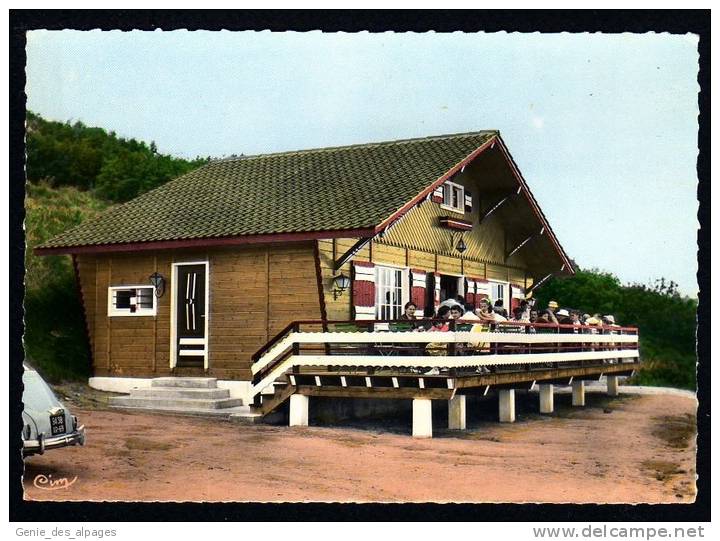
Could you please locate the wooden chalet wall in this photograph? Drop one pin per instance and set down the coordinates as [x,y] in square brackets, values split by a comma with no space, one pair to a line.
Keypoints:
[254,293]
[417,241]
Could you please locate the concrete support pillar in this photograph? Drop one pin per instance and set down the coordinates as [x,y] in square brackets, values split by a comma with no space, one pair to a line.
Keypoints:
[456,412]
[507,405]
[546,398]
[422,418]
[299,408]
[612,386]
[578,393]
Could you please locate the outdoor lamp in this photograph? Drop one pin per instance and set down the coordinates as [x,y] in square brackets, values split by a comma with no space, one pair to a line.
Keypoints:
[460,246]
[158,282]
[340,284]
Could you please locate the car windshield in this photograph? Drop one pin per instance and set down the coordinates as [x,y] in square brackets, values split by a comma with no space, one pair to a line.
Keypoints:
[37,396]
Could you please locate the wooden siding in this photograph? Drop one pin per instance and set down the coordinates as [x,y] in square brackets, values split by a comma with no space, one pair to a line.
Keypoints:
[254,293]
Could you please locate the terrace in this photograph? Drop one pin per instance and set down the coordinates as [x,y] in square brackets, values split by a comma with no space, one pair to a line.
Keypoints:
[403,360]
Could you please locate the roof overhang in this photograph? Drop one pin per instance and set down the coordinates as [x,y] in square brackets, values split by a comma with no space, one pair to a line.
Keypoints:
[523,191]
[208,242]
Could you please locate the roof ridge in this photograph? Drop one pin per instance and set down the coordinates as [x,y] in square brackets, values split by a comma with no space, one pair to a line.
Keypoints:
[357,145]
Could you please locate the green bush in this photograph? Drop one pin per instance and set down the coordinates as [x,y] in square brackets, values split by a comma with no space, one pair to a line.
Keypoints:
[666,320]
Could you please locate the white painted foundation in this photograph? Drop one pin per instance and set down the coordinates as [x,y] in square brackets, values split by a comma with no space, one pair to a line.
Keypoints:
[578,392]
[507,405]
[422,418]
[547,404]
[612,386]
[457,412]
[238,389]
[119,385]
[299,409]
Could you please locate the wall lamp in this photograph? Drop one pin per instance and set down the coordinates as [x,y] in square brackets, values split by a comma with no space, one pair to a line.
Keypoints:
[460,246]
[340,284]
[158,282]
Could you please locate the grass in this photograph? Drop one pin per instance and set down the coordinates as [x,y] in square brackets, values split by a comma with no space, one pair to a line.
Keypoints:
[55,335]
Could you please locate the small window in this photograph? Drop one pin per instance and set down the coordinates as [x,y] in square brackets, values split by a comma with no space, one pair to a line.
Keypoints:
[131,301]
[453,197]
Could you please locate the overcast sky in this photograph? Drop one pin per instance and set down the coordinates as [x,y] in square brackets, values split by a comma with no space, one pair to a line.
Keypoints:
[603,127]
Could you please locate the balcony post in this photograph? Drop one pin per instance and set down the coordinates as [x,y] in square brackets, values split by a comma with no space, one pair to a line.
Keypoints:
[546,398]
[299,409]
[612,386]
[578,392]
[506,402]
[422,418]
[457,412]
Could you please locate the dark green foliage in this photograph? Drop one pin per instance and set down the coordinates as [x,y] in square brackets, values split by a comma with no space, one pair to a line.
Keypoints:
[665,318]
[55,340]
[74,172]
[117,169]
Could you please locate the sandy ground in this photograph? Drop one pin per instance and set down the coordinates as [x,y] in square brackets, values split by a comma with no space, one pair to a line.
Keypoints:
[624,450]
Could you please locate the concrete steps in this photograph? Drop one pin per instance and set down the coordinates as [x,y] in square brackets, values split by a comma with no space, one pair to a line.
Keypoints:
[191,396]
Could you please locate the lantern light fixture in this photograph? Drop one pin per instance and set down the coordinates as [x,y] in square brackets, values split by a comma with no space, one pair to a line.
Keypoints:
[158,282]
[340,284]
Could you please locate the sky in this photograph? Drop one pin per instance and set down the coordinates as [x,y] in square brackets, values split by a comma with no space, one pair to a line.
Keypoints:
[602,126]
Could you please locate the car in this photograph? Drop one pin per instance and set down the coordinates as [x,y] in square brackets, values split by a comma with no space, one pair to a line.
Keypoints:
[48,424]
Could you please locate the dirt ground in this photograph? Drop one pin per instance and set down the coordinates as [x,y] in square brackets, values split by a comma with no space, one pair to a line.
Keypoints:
[629,449]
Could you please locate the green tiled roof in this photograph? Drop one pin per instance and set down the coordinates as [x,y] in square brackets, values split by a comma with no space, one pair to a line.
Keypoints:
[352,187]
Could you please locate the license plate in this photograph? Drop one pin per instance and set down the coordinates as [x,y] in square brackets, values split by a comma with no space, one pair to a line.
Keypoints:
[57,424]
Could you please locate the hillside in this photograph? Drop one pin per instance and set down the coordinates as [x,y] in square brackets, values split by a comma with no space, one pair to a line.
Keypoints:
[74,172]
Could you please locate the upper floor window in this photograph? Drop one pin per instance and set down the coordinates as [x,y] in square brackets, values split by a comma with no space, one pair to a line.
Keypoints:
[131,301]
[453,197]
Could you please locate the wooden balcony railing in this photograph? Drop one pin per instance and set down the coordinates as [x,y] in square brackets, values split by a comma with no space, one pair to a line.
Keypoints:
[410,344]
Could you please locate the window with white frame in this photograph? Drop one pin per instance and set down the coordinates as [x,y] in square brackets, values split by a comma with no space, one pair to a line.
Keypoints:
[498,290]
[453,197]
[131,301]
[388,292]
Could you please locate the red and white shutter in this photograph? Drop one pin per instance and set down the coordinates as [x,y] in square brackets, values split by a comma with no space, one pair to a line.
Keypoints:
[470,292]
[468,201]
[436,294]
[482,289]
[517,294]
[363,290]
[437,196]
[418,289]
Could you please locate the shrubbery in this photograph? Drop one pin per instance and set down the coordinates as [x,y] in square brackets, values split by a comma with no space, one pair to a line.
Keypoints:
[667,320]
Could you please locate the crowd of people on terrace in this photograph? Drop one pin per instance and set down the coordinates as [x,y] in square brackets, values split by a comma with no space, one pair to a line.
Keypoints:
[488,313]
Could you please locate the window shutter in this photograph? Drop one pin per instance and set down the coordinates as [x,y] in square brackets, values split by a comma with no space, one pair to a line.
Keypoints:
[468,201]
[437,195]
[482,289]
[363,290]
[517,294]
[418,289]
[470,291]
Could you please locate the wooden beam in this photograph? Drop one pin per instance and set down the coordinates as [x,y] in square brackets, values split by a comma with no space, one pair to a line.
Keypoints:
[359,245]
[523,243]
[499,204]
[538,284]
[374,392]
[542,376]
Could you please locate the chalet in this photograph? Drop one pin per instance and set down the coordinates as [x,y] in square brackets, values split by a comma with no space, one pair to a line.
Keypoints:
[250,273]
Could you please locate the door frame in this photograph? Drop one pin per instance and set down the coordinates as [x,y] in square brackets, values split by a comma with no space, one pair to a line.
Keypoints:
[173,315]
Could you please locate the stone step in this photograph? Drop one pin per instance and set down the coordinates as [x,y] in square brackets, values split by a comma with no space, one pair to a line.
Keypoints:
[180,392]
[241,414]
[195,383]
[175,403]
